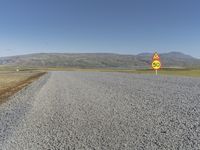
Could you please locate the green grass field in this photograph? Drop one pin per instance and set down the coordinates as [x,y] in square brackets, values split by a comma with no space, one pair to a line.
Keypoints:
[173,72]
[165,71]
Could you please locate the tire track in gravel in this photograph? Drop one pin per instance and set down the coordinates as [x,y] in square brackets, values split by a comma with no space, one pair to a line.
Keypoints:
[85,110]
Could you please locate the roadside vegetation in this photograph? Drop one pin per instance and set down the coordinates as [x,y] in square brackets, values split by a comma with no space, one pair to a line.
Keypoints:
[173,72]
[192,72]
[12,81]
[166,71]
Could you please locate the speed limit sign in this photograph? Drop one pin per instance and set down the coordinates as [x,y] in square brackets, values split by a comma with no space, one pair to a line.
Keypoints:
[156,64]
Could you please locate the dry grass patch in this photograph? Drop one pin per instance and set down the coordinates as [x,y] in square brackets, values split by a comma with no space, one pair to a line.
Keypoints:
[12,82]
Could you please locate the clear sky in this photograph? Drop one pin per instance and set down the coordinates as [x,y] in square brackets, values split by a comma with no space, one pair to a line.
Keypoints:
[118,26]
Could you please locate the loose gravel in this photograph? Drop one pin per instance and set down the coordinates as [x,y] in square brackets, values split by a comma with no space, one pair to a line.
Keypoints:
[103,111]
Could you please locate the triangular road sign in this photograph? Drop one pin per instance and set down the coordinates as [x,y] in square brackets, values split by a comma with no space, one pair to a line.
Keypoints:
[156,56]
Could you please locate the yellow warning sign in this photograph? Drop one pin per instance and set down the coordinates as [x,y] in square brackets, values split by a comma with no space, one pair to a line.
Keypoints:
[156,64]
[156,56]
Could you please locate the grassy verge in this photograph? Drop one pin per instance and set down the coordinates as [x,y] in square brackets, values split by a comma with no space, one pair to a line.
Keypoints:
[173,72]
[176,72]
[11,82]
[165,71]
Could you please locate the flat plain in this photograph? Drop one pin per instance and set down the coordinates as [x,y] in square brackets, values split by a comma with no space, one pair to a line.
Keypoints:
[103,110]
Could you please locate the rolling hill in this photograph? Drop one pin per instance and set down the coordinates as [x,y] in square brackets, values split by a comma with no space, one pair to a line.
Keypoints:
[99,60]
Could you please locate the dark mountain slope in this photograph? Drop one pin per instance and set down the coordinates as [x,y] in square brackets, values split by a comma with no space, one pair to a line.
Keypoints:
[99,60]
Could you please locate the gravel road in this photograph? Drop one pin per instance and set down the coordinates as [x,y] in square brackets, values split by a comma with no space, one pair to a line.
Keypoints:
[103,111]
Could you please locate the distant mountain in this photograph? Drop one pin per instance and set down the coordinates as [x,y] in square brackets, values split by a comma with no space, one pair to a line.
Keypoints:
[99,60]
[172,59]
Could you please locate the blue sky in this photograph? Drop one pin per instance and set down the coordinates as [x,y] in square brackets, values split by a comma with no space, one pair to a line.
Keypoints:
[117,26]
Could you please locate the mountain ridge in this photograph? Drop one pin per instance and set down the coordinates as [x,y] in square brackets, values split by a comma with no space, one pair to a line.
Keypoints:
[99,60]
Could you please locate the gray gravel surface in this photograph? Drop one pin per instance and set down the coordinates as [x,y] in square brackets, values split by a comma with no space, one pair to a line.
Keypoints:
[103,111]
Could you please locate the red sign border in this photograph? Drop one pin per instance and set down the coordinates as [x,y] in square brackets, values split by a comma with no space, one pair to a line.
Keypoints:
[154,55]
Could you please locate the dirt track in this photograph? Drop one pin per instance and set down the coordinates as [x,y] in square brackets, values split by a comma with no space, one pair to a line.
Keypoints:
[103,111]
